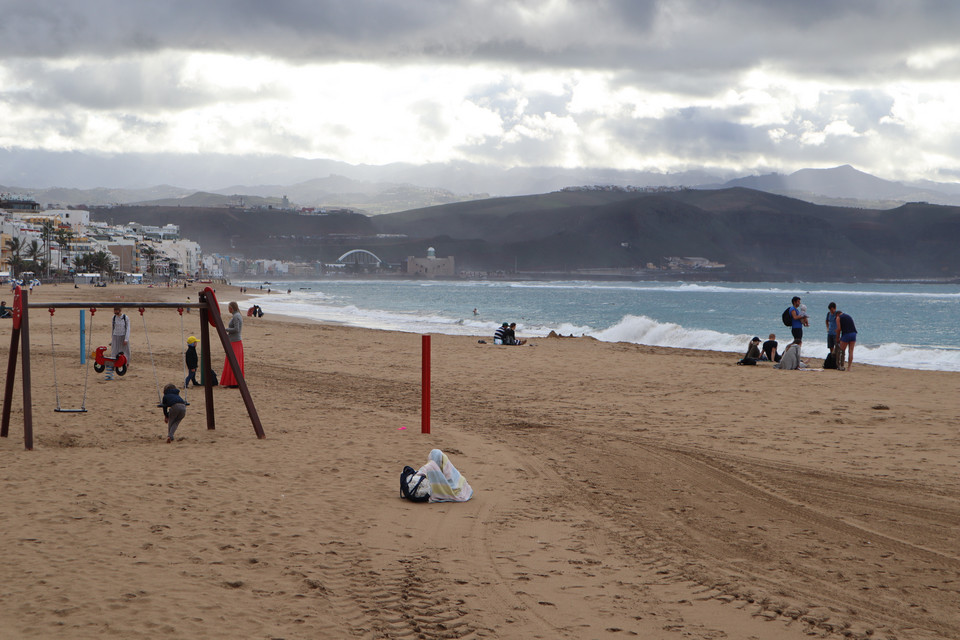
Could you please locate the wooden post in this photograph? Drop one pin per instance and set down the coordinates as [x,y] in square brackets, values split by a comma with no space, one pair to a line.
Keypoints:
[425,384]
[8,387]
[235,365]
[25,373]
[205,363]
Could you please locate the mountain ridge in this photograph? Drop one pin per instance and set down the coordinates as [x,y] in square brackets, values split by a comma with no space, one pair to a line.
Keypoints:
[378,189]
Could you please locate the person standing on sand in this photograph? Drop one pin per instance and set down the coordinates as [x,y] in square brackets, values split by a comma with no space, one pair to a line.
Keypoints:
[120,334]
[846,336]
[831,325]
[227,378]
[796,327]
[192,361]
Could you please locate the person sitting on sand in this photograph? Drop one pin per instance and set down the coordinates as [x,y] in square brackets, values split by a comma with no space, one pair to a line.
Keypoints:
[5,310]
[753,352]
[769,349]
[500,333]
[790,358]
[510,336]
[446,483]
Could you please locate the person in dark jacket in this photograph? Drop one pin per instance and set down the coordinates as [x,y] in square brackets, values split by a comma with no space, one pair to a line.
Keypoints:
[769,349]
[846,338]
[753,352]
[511,335]
[192,360]
[174,409]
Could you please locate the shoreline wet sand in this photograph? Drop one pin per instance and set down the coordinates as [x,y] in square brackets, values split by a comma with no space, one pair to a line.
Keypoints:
[620,491]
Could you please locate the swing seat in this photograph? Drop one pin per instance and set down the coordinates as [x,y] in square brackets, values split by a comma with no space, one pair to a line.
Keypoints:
[70,410]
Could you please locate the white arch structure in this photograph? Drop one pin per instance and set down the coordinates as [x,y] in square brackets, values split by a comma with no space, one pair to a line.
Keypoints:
[359,256]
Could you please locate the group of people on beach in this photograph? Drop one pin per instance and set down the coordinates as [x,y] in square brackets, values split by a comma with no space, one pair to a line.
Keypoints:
[507,334]
[841,338]
[173,405]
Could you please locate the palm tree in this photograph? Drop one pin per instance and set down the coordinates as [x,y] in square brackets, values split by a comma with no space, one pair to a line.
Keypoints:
[47,229]
[151,255]
[35,255]
[101,262]
[64,237]
[15,246]
[98,262]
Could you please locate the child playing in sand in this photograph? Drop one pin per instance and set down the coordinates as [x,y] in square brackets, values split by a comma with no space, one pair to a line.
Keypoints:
[192,360]
[174,409]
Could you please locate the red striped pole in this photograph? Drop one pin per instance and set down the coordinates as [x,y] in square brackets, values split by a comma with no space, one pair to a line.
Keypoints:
[425,384]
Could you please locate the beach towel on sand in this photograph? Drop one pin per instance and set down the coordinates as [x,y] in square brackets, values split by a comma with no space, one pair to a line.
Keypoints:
[446,483]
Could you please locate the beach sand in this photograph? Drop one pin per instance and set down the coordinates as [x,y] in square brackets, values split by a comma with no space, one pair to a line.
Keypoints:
[620,491]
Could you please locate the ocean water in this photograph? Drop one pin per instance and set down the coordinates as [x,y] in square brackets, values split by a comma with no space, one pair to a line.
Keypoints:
[915,326]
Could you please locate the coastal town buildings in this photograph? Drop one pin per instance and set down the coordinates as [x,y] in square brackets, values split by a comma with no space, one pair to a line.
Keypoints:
[58,239]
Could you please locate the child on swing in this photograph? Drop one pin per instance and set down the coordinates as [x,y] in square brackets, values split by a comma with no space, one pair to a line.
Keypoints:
[174,409]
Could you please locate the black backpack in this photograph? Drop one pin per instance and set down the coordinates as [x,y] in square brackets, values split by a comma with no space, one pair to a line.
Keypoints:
[787,317]
[830,362]
[408,492]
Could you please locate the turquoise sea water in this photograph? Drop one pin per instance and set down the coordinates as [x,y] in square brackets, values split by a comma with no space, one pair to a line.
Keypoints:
[902,325]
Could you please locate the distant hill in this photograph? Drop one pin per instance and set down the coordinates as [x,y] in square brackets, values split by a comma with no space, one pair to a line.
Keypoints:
[205,199]
[757,235]
[846,186]
[254,234]
[374,198]
[333,192]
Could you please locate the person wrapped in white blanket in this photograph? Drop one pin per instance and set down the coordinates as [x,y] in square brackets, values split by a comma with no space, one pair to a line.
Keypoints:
[446,484]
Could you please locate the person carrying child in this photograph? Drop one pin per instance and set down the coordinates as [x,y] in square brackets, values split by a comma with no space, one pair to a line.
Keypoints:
[174,409]
[192,360]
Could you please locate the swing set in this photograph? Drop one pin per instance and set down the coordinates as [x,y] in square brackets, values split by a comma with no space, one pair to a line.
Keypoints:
[20,341]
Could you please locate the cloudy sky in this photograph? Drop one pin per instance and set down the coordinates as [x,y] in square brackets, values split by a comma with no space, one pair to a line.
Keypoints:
[741,85]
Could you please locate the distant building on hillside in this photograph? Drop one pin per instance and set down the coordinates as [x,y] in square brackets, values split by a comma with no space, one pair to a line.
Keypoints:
[431,265]
[19,204]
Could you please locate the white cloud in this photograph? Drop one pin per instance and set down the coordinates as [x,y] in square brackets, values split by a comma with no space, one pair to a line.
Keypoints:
[621,83]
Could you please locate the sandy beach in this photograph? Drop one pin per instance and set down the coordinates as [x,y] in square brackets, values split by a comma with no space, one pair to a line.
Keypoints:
[620,491]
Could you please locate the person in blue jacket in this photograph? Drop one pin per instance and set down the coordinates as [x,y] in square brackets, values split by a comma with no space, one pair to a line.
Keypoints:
[174,409]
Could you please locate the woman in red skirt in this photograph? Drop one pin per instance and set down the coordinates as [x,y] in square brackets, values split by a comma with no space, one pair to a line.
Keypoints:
[228,379]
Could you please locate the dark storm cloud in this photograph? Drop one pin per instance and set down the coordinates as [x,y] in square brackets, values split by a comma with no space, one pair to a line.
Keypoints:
[844,38]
